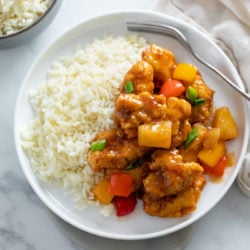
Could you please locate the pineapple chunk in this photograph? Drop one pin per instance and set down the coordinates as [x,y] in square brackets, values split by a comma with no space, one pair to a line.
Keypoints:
[185,72]
[224,120]
[212,138]
[155,134]
[211,157]
[101,192]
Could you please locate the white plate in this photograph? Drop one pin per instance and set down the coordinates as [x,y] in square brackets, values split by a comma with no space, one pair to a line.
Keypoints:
[137,225]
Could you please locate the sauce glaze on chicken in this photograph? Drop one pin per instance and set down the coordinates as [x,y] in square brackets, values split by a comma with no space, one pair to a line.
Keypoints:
[150,141]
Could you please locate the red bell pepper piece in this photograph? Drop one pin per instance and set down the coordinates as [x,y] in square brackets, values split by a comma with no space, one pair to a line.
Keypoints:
[218,169]
[121,184]
[125,205]
[172,88]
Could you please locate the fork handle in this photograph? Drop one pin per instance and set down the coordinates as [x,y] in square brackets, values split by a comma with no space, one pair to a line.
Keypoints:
[178,35]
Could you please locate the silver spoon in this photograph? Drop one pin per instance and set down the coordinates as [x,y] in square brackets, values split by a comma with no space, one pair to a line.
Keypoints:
[178,35]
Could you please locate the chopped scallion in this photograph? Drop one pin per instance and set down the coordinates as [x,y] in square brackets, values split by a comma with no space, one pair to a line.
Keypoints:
[191,137]
[98,145]
[129,87]
[198,101]
[134,164]
[191,94]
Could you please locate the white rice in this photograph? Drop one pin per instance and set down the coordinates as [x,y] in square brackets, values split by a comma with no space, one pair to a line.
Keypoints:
[15,15]
[76,102]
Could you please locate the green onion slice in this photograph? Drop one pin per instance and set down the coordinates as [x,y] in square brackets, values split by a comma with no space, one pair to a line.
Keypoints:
[129,87]
[198,101]
[191,94]
[98,145]
[134,164]
[191,137]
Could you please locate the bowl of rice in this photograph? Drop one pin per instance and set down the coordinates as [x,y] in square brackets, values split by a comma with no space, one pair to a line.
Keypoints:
[68,96]
[22,20]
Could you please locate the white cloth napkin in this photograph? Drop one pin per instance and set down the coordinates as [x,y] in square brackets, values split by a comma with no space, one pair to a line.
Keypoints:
[227,22]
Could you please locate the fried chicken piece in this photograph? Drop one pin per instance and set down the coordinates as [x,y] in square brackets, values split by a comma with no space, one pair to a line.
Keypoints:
[132,110]
[141,75]
[170,174]
[163,62]
[178,112]
[173,187]
[178,108]
[176,205]
[117,154]
[201,113]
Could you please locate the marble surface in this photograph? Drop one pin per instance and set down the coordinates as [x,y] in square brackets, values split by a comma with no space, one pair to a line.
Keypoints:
[26,224]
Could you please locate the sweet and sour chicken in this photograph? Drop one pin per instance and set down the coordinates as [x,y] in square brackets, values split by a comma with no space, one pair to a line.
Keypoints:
[165,138]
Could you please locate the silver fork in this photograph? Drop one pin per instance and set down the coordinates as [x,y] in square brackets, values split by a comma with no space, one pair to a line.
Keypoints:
[178,35]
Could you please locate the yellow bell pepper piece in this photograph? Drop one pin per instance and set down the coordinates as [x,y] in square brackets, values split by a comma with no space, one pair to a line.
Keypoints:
[185,72]
[155,134]
[211,157]
[101,192]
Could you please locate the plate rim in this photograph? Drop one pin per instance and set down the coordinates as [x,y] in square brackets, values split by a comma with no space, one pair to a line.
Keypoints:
[29,173]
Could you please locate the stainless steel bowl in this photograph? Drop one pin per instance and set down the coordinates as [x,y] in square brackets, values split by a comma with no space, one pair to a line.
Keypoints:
[31,31]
